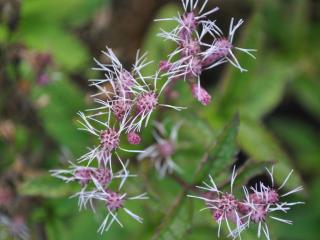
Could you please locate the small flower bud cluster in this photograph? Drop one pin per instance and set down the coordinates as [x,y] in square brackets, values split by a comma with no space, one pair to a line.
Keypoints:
[194,55]
[255,208]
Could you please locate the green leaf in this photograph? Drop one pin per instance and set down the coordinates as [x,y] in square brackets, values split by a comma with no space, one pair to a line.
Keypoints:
[222,154]
[178,221]
[261,145]
[306,88]
[301,140]
[45,186]
[45,26]
[59,114]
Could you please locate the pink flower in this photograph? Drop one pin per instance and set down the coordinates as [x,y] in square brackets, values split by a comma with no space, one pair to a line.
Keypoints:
[114,201]
[120,108]
[164,66]
[110,139]
[133,138]
[200,94]
[222,46]
[146,102]
[223,205]
[162,151]
[83,175]
[265,200]
[103,176]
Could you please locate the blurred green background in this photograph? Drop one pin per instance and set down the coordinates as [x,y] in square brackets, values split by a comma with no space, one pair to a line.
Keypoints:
[46,51]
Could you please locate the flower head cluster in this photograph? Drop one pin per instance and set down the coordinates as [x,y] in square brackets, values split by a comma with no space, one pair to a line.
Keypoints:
[193,54]
[162,151]
[258,205]
[126,100]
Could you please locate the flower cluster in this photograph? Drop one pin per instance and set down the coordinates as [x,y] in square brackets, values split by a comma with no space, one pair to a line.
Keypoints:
[192,55]
[126,100]
[257,206]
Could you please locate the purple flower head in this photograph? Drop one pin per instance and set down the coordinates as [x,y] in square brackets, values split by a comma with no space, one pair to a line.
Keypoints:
[192,55]
[265,200]
[110,139]
[114,201]
[147,102]
[134,96]
[223,205]
[188,25]
[83,175]
[200,94]
[193,67]
[103,176]
[194,16]
[259,213]
[124,83]
[222,46]
[162,151]
[120,107]
[221,50]
[188,40]
[164,66]
[190,48]
[166,148]
[134,138]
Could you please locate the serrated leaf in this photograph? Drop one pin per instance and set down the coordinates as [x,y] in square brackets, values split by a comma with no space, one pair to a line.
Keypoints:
[221,155]
[178,221]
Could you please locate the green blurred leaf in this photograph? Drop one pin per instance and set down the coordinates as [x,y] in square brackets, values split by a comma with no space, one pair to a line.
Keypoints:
[44,26]
[306,88]
[261,145]
[45,186]
[64,101]
[301,140]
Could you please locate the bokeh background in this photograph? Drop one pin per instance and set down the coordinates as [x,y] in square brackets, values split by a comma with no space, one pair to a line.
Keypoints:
[46,52]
